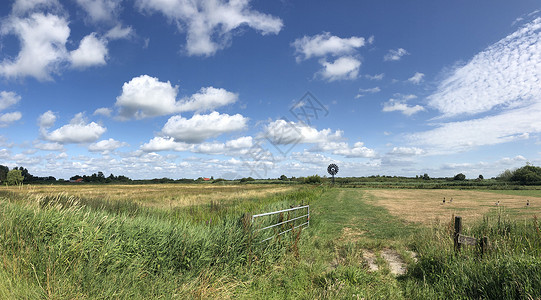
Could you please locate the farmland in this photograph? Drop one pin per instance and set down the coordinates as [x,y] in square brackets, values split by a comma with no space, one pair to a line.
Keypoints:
[189,241]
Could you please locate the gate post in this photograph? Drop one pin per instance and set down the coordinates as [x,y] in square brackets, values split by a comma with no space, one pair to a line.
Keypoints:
[458,231]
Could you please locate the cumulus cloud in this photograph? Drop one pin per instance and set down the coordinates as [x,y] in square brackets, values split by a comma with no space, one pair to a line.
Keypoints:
[145,96]
[394,55]
[402,106]
[416,78]
[325,44]
[43,45]
[505,75]
[343,68]
[209,23]
[47,119]
[282,132]
[345,65]
[358,150]
[165,144]
[106,145]
[201,127]
[8,99]
[103,111]
[91,52]
[77,131]
[8,118]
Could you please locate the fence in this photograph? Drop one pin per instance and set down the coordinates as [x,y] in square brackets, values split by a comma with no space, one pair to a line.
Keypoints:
[280,225]
[460,239]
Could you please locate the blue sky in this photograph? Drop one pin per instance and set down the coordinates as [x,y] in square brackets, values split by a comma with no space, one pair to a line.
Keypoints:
[183,89]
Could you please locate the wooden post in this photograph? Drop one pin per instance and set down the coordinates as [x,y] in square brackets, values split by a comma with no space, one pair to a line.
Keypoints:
[484,245]
[458,231]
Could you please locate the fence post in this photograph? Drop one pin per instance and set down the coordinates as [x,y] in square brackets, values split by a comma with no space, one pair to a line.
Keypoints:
[484,245]
[458,231]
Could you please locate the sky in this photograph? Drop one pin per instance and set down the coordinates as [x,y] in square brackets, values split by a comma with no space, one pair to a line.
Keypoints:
[231,89]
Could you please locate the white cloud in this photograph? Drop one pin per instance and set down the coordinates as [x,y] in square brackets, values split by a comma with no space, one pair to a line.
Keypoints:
[506,127]
[375,77]
[103,111]
[358,150]
[343,68]
[8,118]
[505,75]
[165,144]
[236,147]
[208,98]
[401,105]
[201,127]
[21,7]
[407,151]
[43,39]
[146,96]
[416,78]
[91,52]
[49,146]
[502,82]
[282,132]
[77,131]
[100,10]
[119,32]
[362,92]
[394,55]
[209,23]
[325,44]
[106,145]
[8,99]
[47,119]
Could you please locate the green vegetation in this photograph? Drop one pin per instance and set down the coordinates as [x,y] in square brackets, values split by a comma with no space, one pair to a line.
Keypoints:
[80,244]
[14,177]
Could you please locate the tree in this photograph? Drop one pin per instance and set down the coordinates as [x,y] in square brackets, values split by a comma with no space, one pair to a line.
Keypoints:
[14,177]
[426,177]
[3,173]
[480,177]
[527,175]
[283,177]
[460,176]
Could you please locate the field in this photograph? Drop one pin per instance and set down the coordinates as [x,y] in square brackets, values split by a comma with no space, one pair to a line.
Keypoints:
[192,241]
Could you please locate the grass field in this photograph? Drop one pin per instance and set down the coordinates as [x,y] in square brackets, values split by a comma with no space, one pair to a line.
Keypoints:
[189,241]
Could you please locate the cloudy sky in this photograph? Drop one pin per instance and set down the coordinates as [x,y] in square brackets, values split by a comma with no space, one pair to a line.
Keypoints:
[190,88]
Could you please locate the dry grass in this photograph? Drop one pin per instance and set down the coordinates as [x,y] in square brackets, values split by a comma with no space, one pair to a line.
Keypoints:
[157,195]
[427,207]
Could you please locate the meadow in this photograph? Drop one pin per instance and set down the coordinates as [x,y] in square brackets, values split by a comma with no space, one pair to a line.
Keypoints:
[192,241]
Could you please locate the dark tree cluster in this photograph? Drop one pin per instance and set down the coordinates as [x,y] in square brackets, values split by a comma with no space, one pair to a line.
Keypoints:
[100,178]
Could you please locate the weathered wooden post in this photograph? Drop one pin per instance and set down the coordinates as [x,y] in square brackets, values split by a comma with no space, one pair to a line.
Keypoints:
[458,231]
[484,245]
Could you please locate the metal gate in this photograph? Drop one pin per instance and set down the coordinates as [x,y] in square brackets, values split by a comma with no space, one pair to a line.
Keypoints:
[293,220]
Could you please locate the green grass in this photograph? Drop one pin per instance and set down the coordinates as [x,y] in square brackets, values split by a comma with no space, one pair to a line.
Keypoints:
[63,247]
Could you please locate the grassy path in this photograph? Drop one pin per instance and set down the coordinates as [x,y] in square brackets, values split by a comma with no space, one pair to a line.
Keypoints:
[352,208]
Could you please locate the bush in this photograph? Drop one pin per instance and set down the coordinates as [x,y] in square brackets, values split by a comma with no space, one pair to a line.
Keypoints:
[527,175]
[312,179]
[460,176]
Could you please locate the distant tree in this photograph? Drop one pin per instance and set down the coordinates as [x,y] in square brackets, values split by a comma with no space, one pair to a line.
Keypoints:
[480,177]
[505,175]
[426,177]
[3,173]
[527,175]
[283,177]
[460,176]
[14,177]
[246,179]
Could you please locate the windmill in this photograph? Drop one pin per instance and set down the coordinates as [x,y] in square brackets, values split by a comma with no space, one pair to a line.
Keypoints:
[332,169]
